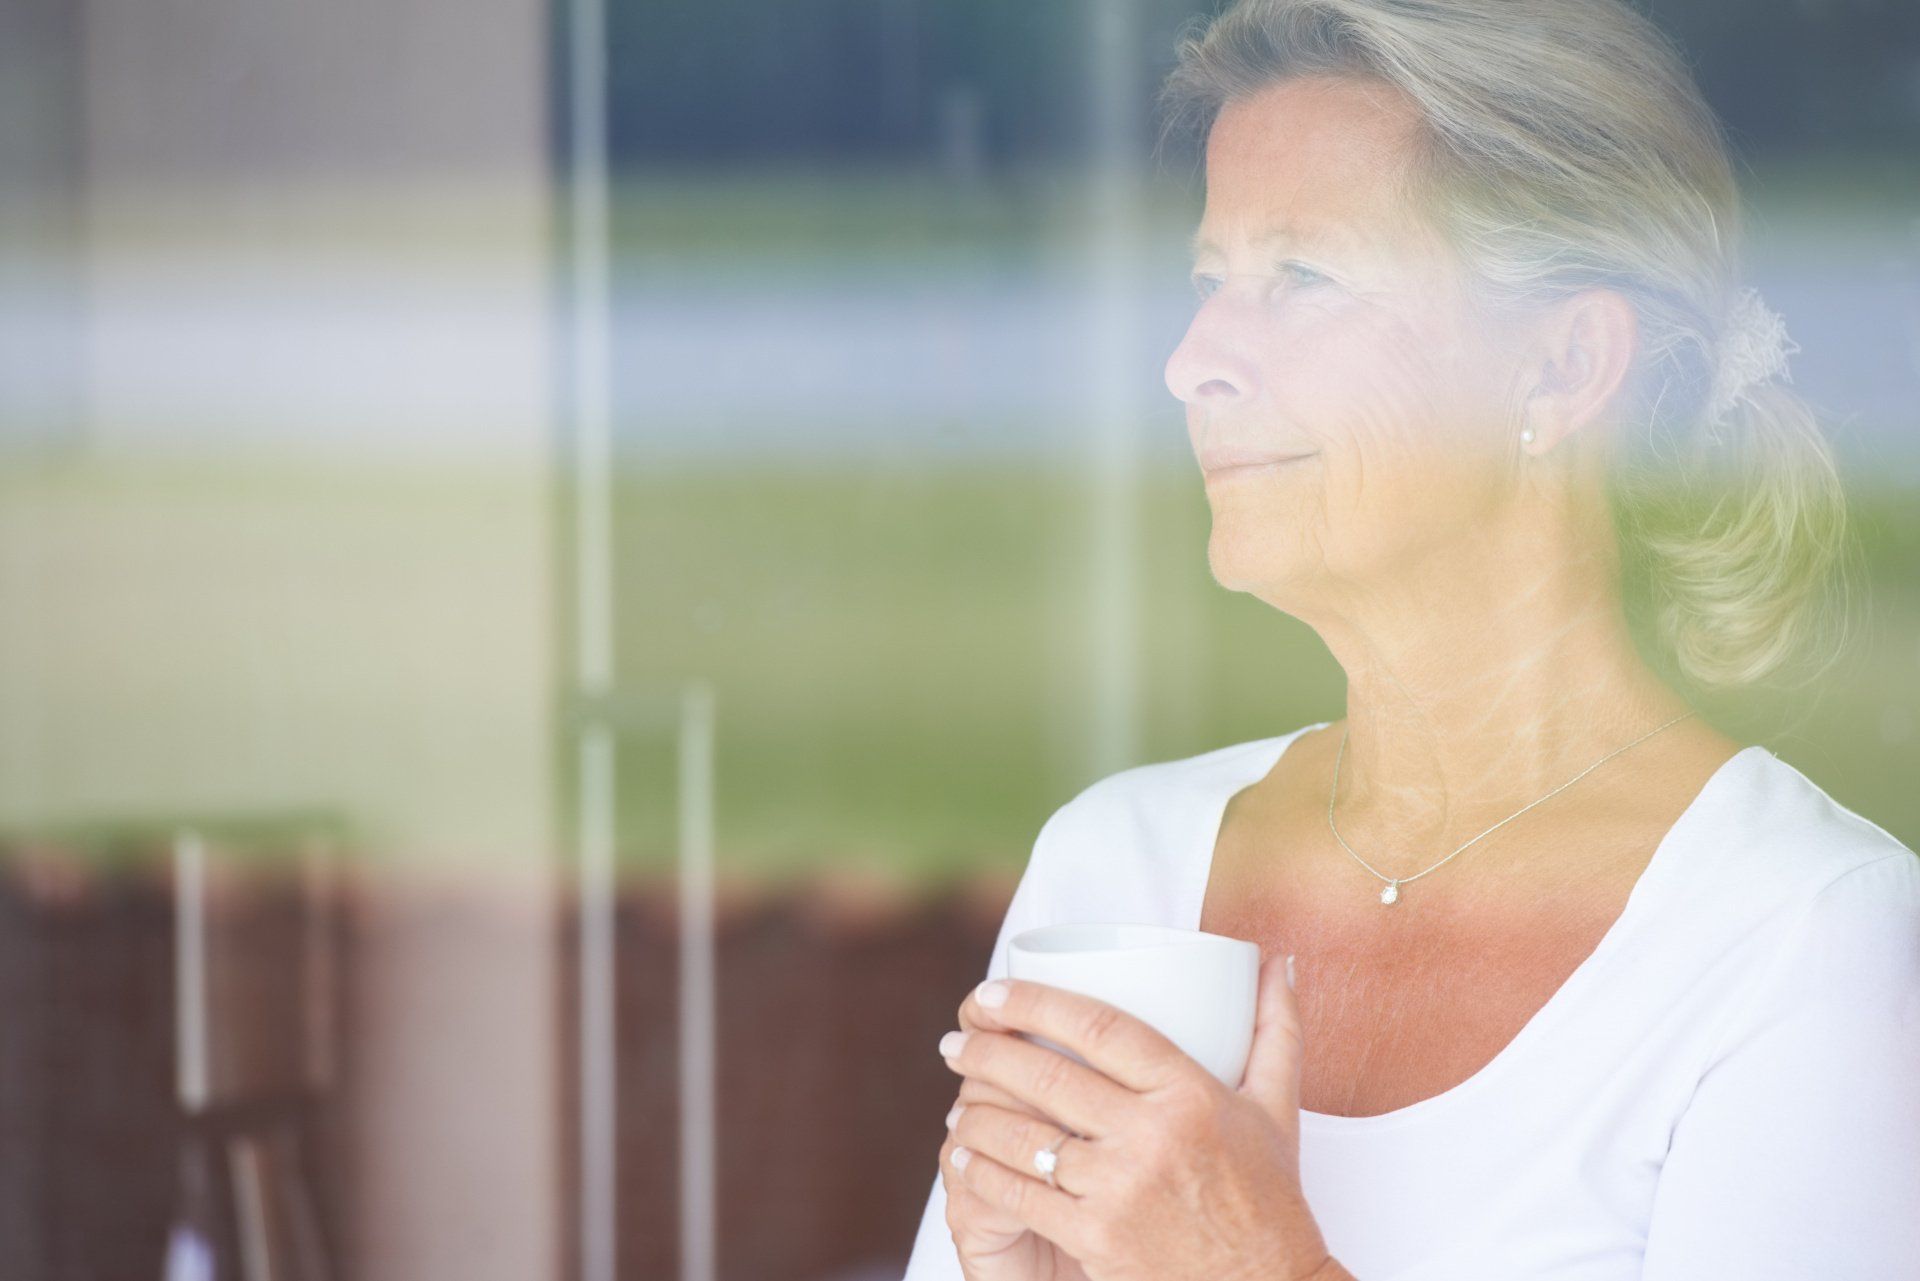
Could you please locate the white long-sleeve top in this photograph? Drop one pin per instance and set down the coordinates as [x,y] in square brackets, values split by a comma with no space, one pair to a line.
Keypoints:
[1727,1087]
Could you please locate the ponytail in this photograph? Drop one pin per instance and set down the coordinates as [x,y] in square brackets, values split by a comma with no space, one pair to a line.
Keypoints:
[1741,554]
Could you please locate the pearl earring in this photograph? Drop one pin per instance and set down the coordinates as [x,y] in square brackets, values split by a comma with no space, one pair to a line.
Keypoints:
[1526,436]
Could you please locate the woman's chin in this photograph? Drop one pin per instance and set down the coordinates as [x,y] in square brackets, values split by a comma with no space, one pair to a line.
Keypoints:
[1242,560]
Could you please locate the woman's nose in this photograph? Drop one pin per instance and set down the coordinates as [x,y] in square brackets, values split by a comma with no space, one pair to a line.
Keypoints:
[1202,370]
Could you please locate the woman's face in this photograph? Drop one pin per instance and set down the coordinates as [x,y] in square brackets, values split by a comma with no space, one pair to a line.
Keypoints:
[1333,333]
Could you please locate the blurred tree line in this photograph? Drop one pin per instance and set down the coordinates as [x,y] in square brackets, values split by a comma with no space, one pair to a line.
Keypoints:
[696,81]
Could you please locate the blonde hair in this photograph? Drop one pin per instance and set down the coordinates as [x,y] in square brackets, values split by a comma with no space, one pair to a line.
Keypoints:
[1566,146]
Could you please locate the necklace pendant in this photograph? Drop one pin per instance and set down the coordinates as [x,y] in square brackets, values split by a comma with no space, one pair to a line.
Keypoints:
[1391,893]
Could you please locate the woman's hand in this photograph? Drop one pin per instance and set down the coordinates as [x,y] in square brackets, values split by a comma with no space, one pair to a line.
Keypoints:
[1174,1176]
[993,1244]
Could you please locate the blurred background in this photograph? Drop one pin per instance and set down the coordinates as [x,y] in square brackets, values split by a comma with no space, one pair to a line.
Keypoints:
[555,554]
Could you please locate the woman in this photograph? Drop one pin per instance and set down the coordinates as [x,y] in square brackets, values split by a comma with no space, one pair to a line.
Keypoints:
[1582,988]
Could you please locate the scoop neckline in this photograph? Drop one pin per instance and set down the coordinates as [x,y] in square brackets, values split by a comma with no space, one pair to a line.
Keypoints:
[1658,870]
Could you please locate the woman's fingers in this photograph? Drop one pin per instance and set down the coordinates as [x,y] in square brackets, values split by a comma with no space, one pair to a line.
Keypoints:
[990,1217]
[1012,1138]
[968,1023]
[973,1089]
[977,1225]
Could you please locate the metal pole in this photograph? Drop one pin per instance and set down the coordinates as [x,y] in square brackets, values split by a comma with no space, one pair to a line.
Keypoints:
[192,1070]
[698,1011]
[593,611]
[1115,235]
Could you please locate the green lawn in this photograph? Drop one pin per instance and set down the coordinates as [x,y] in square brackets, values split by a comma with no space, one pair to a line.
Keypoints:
[900,649]
[897,659]
[899,652]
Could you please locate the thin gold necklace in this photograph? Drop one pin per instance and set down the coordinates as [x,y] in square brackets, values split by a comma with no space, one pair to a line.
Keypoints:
[1391,893]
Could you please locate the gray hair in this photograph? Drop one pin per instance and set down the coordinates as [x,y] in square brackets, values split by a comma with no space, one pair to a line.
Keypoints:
[1564,146]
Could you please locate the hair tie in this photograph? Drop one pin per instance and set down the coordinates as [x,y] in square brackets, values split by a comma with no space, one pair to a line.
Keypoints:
[1754,347]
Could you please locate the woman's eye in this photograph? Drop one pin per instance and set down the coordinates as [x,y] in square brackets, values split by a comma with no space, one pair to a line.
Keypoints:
[1293,273]
[1303,274]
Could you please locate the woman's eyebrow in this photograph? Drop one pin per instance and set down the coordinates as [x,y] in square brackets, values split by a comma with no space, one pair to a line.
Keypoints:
[1198,243]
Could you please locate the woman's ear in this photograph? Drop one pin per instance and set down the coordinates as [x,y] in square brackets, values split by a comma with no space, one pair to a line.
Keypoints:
[1586,346]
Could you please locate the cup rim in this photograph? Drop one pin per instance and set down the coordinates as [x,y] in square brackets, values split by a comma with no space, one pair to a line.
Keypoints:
[1155,936]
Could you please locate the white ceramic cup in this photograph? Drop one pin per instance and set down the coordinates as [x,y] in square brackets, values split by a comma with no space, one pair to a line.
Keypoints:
[1199,990]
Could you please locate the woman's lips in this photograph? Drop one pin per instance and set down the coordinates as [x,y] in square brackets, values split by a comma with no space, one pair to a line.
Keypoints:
[1253,468]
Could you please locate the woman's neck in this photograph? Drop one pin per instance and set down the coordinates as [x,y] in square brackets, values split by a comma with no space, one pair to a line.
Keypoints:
[1458,720]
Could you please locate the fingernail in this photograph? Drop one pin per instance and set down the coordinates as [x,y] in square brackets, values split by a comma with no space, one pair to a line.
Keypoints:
[953,1117]
[992,995]
[960,1158]
[950,1043]
[1290,970]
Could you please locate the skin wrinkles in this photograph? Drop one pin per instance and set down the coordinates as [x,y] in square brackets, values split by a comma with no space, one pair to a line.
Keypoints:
[1467,584]
[1392,351]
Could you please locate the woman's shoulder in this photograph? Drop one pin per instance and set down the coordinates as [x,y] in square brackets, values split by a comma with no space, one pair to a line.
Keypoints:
[1126,846]
[1786,805]
[1835,927]
[1186,781]
[1156,805]
[1800,850]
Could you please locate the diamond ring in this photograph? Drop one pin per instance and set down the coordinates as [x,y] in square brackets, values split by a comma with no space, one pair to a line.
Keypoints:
[1045,1159]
